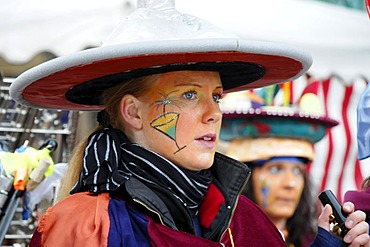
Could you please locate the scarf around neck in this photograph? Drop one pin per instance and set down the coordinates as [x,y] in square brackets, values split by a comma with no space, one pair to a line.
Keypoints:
[110,160]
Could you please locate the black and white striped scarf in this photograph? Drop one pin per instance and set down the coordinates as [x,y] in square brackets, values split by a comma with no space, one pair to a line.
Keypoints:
[110,159]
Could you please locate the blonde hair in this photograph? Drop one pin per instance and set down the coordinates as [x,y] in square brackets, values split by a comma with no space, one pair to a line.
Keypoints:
[111,98]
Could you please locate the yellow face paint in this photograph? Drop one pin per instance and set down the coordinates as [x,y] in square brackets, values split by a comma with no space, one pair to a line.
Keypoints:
[166,122]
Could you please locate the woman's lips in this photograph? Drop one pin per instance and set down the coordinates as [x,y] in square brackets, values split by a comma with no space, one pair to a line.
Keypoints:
[286,200]
[208,141]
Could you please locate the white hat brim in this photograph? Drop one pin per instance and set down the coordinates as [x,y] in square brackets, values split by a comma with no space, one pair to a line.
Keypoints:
[46,85]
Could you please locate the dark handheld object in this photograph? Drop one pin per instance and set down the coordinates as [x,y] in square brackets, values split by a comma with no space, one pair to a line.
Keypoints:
[50,144]
[339,216]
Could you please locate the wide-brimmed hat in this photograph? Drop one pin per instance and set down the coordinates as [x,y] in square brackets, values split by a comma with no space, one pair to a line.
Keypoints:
[156,39]
[255,131]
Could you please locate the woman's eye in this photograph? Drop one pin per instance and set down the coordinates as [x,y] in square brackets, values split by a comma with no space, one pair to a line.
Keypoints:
[217,98]
[298,172]
[274,169]
[190,95]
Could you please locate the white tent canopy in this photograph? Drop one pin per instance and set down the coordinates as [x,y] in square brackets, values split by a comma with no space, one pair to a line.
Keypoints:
[337,37]
[59,27]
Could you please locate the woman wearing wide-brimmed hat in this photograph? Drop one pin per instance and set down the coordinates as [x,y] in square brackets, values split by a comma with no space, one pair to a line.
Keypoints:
[149,174]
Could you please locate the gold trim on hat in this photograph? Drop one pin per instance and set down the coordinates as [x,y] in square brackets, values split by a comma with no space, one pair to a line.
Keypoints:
[249,149]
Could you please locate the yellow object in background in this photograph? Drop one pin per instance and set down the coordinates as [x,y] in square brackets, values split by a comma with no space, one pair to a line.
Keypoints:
[36,156]
[287,93]
[310,103]
[29,159]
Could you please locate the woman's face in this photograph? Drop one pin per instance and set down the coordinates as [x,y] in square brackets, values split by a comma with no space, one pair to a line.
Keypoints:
[182,118]
[278,187]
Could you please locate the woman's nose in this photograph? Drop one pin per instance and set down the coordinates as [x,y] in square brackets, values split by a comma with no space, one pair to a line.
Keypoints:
[212,112]
[290,181]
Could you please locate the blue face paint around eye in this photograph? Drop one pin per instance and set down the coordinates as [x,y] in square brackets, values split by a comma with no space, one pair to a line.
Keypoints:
[265,192]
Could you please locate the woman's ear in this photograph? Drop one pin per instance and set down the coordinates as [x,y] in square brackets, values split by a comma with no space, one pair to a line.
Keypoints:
[130,111]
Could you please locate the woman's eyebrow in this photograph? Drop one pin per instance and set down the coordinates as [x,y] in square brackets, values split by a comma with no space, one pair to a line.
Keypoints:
[187,84]
[194,84]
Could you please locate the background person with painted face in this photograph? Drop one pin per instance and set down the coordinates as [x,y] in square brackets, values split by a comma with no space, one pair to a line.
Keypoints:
[276,142]
[149,175]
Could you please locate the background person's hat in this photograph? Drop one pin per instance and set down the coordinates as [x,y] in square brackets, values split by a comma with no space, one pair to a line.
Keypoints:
[154,39]
[255,131]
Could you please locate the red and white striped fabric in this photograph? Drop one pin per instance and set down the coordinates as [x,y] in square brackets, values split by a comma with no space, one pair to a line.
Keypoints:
[336,166]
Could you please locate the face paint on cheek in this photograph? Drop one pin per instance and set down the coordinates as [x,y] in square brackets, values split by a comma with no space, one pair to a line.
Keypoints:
[166,122]
[265,189]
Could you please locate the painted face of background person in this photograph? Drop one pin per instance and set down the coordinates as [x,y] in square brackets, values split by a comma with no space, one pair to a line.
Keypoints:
[278,187]
[182,118]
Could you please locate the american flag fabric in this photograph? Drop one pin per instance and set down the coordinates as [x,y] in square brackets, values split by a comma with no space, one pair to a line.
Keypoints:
[336,165]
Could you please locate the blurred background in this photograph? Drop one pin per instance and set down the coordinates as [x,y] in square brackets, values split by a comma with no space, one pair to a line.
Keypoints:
[335,32]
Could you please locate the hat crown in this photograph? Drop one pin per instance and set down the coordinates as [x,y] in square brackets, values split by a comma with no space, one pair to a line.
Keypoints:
[156,4]
[156,20]
[253,102]
[246,114]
